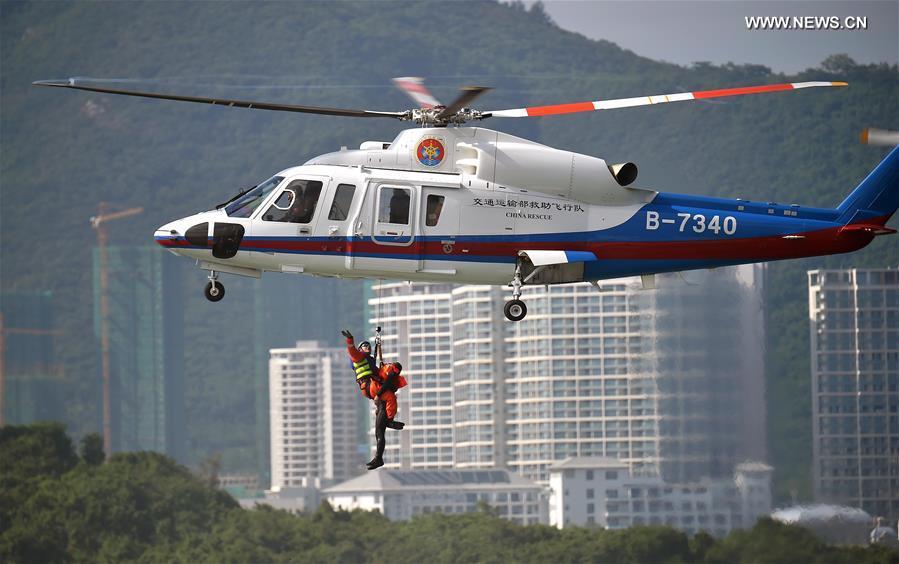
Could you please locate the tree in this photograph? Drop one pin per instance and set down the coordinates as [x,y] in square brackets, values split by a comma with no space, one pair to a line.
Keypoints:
[30,454]
[538,10]
[92,449]
[839,64]
[700,545]
[209,469]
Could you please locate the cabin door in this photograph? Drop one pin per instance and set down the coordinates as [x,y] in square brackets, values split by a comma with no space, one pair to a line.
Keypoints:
[438,227]
[387,240]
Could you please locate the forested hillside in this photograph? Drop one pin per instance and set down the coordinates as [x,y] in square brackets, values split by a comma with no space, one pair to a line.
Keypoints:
[63,152]
[57,506]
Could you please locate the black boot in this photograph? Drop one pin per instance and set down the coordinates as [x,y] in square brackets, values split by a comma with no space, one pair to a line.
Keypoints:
[396,425]
[376,462]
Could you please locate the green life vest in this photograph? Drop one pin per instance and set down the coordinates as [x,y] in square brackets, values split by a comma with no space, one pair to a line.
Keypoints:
[363,369]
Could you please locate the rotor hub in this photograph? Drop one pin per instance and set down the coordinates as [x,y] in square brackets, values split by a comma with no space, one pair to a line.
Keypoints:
[436,117]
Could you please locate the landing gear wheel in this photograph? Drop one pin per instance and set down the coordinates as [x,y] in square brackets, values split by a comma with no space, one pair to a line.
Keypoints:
[214,291]
[515,310]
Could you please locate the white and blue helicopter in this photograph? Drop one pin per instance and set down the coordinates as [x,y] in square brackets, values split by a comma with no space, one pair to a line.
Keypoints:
[472,205]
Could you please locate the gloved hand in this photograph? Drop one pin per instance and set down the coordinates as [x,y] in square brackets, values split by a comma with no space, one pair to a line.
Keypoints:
[346,334]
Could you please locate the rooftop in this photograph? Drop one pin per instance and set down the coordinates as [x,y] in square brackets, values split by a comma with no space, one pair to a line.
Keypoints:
[589,462]
[397,480]
[754,467]
[821,512]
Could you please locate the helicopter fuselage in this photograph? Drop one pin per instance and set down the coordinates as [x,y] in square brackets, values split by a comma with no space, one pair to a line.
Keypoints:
[473,205]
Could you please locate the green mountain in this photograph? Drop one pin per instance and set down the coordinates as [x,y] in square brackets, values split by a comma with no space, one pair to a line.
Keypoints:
[64,152]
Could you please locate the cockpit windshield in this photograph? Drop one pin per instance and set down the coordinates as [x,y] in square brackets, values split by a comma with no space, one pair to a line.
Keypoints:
[247,204]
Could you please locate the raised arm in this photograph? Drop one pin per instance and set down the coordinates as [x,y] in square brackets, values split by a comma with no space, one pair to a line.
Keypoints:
[355,354]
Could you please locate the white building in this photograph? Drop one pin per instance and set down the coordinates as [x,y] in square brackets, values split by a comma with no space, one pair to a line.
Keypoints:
[400,494]
[578,381]
[415,321]
[854,327]
[302,498]
[314,408]
[479,389]
[670,380]
[603,492]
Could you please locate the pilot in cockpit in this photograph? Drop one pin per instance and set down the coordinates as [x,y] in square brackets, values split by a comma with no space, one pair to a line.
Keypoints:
[297,211]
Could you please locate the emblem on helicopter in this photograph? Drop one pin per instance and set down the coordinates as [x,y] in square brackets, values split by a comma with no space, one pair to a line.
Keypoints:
[430,152]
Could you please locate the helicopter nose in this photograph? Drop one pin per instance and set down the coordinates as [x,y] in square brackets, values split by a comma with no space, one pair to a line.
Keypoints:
[169,235]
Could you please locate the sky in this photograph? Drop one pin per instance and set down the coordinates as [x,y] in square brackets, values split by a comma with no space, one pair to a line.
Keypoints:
[684,32]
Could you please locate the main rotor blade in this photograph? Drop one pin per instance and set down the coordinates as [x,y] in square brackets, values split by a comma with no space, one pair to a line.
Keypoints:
[415,88]
[558,109]
[70,83]
[466,95]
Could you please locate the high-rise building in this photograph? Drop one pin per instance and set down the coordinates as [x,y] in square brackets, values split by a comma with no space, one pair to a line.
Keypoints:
[33,381]
[669,381]
[288,309]
[580,379]
[417,331]
[146,349]
[314,409]
[479,372]
[854,322]
[708,350]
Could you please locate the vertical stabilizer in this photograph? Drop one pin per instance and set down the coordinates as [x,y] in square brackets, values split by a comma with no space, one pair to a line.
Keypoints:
[877,197]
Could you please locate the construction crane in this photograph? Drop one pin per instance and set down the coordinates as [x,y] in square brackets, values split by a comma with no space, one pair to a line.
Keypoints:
[99,222]
[4,331]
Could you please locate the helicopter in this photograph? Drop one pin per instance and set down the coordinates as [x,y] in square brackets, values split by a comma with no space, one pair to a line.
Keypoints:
[447,203]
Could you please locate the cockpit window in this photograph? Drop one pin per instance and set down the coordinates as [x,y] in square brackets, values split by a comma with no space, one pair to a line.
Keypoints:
[296,204]
[247,204]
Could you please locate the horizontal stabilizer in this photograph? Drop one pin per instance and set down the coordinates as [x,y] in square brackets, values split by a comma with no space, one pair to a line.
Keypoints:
[546,258]
[867,228]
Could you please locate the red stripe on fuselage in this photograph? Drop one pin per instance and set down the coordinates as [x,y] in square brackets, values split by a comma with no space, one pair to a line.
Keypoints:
[750,249]
[173,242]
[821,242]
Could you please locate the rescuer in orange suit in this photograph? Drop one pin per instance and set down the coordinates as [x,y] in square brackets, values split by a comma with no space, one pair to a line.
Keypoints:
[379,385]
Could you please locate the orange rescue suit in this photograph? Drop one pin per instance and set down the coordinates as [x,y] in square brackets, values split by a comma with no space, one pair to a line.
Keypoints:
[387,381]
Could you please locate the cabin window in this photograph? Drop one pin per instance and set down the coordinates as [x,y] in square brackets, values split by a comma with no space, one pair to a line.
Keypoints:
[394,206]
[343,199]
[296,204]
[434,207]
